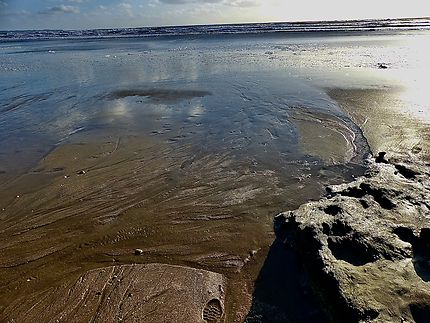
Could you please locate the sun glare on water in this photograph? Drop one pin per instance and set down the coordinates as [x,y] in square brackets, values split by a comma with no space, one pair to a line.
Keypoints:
[415,77]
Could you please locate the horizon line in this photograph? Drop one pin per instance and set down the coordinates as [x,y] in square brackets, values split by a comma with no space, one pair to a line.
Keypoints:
[223,24]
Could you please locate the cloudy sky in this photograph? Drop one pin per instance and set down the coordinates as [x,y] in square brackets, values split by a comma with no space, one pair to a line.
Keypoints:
[81,14]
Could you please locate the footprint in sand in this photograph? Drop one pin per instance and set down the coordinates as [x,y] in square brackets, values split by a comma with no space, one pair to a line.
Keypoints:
[212,312]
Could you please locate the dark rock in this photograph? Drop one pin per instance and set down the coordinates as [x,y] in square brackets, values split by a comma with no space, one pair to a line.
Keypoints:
[366,246]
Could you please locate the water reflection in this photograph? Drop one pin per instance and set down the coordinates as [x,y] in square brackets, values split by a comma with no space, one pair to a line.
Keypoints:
[267,93]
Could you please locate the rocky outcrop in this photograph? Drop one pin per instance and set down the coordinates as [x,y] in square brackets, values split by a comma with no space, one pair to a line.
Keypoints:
[366,246]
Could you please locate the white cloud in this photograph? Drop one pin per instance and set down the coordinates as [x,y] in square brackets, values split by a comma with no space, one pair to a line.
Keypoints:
[127,8]
[60,9]
[241,3]
[189,1]
[234,3]
[125,5]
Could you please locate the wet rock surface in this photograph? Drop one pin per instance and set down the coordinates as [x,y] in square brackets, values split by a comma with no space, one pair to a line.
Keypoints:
[366,246]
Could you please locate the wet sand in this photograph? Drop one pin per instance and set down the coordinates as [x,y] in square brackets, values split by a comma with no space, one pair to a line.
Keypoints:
[388,124]
[91,202]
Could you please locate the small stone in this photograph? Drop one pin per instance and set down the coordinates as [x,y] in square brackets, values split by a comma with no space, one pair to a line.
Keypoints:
[138,252]
[221,289]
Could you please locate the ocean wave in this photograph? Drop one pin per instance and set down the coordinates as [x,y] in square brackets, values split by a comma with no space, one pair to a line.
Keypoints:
[321,26]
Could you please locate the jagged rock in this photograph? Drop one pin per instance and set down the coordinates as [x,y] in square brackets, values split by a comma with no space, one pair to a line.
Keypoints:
[366,245]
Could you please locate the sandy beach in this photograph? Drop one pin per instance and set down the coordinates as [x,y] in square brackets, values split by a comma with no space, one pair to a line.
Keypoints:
[174,157]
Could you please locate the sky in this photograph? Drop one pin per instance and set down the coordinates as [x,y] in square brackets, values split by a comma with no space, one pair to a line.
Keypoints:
[86,14]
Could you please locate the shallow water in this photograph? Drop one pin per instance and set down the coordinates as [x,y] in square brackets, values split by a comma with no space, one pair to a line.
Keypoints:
[51,90]
[184,147]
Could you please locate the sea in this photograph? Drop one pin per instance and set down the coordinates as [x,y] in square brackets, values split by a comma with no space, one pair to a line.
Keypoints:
[250,28]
